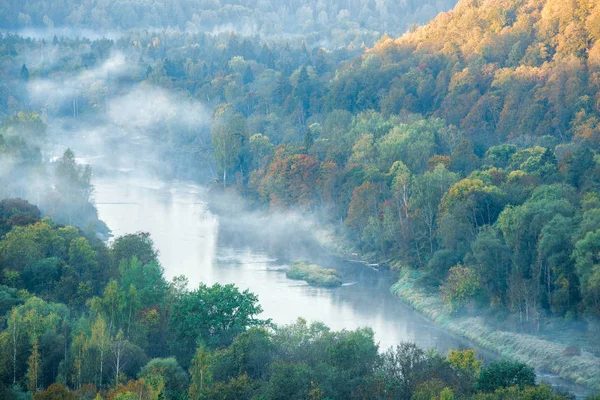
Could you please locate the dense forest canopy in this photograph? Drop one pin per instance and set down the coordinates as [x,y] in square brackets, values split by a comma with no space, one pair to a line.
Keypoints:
[329,23]
[499,70]
[465,150]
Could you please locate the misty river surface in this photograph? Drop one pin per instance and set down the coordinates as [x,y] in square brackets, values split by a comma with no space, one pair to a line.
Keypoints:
[191,242]
[208,247]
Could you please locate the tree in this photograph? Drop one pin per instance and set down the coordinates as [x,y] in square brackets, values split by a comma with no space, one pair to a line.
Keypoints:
[490,257]
[403,367]
[261,149]
[73,185]
[26,245]
[363,151]
[139,245]
[427,192]
[200,373]
[250,353]
[289,381]
[467,368]
[100,340]
[147,280]
[55,391]
[463,158]
[109,304]
[401,179]
[302,89]
[291,180]
[24,75]
[364,204]
[309,139]
[505,374]
[17,212]
[15,323]
[83,258]
[239,388]
[33,368]
[248,76]
[118,348]
[167,371]
[587,263]
[215,315]
[229,140]
[461,286]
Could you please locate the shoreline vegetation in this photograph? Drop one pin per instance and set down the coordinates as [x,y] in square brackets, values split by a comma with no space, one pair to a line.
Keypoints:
[542,354]
[582,368]
[314,275]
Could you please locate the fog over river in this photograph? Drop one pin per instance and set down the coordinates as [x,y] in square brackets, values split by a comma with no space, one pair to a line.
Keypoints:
[252,250]
[209,248]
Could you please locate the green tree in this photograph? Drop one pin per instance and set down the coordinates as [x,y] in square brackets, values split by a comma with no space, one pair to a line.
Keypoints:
[168,371]
[139,245]
[200,373]
[505,374]
[82,257]
[261,149]
[467,368]
[148,281]
[229,141]
[33,368]
[427,192]
[460,287]
[214,315]
[100,340]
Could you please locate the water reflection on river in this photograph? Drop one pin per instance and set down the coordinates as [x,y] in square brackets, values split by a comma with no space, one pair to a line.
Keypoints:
[210,248]
[192,243]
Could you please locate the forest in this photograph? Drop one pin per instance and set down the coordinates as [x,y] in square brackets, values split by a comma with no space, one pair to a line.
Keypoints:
[464,149]
[328,24]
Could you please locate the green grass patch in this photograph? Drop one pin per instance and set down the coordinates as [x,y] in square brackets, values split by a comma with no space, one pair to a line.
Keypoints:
[313,274]
[533,350]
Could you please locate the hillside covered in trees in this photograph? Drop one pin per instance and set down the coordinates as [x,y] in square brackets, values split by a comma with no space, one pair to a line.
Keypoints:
[465,150]
[468,149]
[84,320]
[330,24]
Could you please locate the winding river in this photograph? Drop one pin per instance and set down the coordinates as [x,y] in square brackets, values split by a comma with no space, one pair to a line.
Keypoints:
[252,250]
[209,248]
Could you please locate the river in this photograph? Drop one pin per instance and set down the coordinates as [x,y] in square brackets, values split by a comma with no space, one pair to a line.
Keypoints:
[252,250]
[209,248]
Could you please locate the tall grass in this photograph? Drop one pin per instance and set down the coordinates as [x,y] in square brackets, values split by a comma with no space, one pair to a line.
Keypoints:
[539,353]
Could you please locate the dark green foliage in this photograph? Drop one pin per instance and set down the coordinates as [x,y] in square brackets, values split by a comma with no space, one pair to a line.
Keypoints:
[250,353]
[15,212]
[503,374]
[467,148]
[214,315]
[138,245]
[175,378]
[9,298]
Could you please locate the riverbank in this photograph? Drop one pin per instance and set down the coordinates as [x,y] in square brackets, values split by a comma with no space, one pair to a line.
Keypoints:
[546,355]
[542,354]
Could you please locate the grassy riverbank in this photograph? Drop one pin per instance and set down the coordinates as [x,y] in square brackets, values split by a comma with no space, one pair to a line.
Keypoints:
[540,353]
[543,353]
